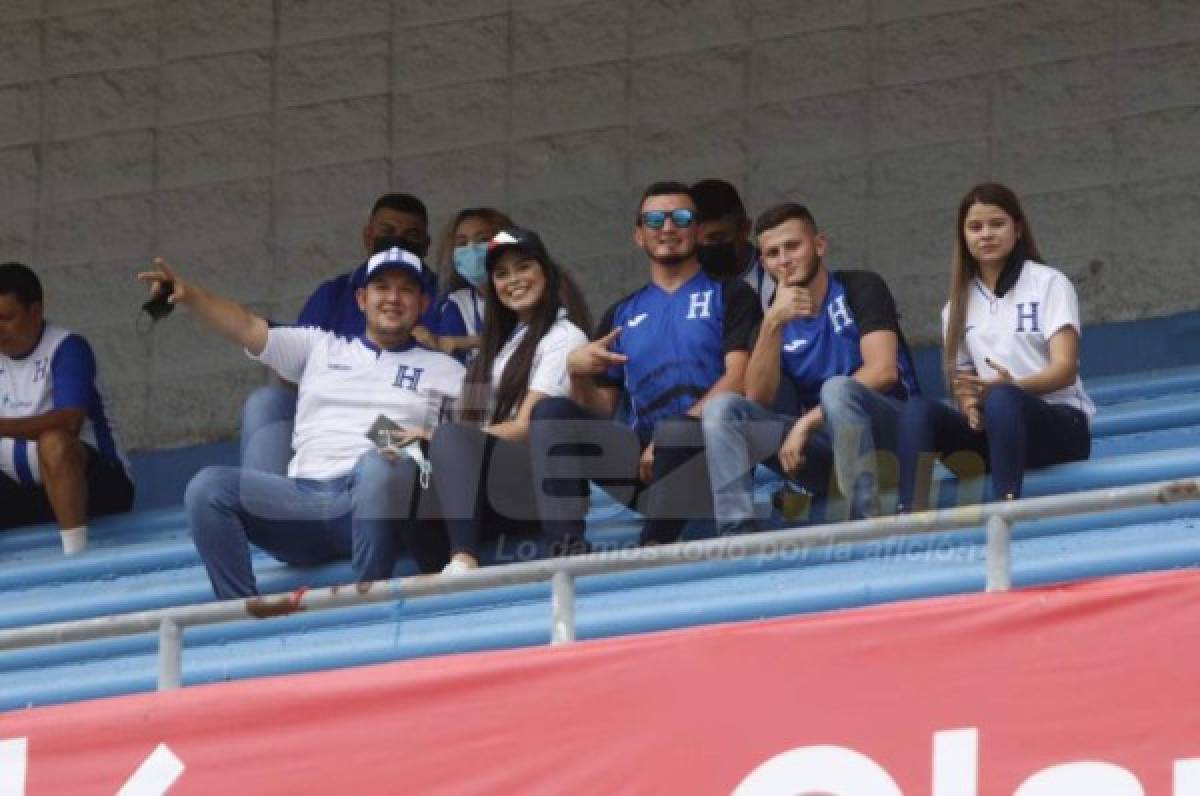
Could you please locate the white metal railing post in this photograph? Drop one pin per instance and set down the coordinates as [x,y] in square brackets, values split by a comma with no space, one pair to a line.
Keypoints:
[999,553]
[170,654]
[562,608]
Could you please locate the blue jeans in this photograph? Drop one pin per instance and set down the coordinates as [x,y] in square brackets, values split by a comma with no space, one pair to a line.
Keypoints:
[1020,431]
[268,418]
[739,433]
[365,516]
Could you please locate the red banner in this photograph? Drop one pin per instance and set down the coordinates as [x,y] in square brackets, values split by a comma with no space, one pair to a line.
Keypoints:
[1091,689]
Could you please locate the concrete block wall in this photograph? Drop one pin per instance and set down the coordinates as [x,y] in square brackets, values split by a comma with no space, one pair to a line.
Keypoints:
[246,139]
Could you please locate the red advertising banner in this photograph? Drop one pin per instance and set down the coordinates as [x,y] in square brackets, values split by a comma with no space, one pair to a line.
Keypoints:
[1091,689]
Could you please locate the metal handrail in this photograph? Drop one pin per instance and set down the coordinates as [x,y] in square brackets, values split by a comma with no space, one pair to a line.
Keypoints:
[998,518]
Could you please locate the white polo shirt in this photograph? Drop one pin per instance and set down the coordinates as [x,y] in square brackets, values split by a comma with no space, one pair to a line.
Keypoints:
[548,372]
[1014,330]
[346,384]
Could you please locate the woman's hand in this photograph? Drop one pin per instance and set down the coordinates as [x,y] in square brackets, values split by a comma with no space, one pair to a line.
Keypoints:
[425,337]
[970,391]
[970,385]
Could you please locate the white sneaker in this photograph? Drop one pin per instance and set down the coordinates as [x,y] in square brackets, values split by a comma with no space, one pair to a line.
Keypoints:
[456,567]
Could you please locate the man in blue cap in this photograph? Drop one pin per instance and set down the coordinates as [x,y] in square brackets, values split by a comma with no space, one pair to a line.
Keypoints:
[366,405]
[268,416]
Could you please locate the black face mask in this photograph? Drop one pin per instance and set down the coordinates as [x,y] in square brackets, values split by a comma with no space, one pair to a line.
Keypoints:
[718,259]
[385,242]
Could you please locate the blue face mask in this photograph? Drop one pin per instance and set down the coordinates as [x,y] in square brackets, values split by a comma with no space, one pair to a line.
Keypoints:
[470,262]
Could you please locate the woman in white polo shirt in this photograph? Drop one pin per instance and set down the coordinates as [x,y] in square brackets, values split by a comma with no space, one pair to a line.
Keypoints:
[1011,358]
[481,465]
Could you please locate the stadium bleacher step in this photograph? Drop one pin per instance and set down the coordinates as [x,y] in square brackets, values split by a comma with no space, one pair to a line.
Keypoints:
[749,590]
[1147,428]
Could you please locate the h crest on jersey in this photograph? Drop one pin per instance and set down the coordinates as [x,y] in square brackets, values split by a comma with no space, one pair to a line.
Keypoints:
[408,377]
[700,304]
[41,369]
[1028,313]
[839,314]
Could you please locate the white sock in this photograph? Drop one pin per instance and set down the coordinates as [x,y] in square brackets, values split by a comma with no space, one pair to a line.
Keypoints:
[74,540]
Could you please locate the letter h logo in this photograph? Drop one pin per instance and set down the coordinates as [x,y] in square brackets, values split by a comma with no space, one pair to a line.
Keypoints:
[408,378]
[839,314]
[41,369]
[699,305]
[1030,315]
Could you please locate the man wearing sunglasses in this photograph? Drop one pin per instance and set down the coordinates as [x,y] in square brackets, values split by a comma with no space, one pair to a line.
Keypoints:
[661,352]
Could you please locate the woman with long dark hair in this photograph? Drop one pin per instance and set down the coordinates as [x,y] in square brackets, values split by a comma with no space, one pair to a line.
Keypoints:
[1011,360]
[481,464]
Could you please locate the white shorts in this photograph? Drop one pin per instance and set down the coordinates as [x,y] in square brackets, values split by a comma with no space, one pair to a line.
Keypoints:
[19,461]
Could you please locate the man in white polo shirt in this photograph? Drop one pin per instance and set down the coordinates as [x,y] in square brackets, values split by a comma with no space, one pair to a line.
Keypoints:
[366,407]
[59,457]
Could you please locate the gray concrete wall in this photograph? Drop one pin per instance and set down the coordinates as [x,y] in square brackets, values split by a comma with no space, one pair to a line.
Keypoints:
[245,139]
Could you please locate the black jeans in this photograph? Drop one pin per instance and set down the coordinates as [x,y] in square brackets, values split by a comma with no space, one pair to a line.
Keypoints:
[485,489]
[571,446]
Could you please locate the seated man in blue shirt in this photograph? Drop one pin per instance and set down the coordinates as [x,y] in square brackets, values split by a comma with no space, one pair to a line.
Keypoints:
[667,348]
[59,457]
[269,413]
[836,337]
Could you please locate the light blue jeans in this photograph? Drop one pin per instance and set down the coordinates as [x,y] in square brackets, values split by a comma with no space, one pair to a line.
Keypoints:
[365,516]
[268,417]
[739,434]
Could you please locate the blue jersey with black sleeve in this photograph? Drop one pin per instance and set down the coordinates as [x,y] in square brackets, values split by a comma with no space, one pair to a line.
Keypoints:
[829,343]
[676,344]
[334,306]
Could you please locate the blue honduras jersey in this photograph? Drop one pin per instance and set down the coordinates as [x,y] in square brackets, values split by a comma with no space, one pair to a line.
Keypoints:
[676,344]
[828,344]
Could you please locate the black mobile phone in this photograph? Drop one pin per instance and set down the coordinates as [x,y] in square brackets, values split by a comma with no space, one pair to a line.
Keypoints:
[381,430]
